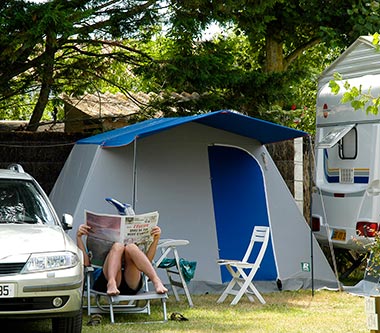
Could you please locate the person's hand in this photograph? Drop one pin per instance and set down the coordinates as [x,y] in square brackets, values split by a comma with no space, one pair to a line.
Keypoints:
[83,230]
[156,233]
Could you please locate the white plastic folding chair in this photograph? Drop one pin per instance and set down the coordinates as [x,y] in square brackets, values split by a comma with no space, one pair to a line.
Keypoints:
[168,246]
[242,278]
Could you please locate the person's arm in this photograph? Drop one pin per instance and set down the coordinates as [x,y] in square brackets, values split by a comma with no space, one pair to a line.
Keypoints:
[156,233]
[83,231]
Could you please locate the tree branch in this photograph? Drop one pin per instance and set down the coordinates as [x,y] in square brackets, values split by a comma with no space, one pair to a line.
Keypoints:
[129,12]
[295,54]
[103,42]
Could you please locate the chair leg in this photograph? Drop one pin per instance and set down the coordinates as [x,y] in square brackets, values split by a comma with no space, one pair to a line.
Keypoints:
[88,283]
[244,287]
[170,273]
[112,317]
[257,293]
[243,277]
[172,284]
[252,287]
[241,285]
[165,314]
[229,288]
[183,282]
[240,293]
[226,291]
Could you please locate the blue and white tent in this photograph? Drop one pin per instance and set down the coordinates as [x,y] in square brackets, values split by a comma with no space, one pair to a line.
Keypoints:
[211,179]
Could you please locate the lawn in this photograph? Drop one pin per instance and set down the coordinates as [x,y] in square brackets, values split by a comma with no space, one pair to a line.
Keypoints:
[326,311]
[287,311]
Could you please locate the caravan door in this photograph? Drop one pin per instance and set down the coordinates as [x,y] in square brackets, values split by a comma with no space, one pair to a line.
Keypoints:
[240,203]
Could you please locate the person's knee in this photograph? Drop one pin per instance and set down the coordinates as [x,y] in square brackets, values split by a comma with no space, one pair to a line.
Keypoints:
[131,249]
[117,247]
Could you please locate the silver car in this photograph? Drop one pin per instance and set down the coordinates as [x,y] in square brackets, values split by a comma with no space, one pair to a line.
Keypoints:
[41,268]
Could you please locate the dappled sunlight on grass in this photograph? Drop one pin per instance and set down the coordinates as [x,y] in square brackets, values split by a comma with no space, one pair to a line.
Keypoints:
[286,311]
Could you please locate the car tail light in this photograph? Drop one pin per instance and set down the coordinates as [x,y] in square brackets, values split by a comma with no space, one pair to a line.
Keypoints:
[367,229]
[315,223]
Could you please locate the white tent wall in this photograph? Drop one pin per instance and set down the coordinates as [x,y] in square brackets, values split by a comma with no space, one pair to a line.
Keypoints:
[173,177]
[110,176]
[71,181]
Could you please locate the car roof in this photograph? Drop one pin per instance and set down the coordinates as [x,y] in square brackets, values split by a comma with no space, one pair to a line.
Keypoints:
[11,174]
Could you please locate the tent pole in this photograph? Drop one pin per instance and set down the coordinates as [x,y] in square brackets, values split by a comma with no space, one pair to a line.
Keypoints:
[134,171]
[311,214]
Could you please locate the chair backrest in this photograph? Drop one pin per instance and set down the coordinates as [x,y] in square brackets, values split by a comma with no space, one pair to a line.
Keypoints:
[259,234]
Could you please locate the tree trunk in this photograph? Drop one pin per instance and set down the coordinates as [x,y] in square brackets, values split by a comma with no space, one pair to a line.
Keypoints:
[46,84]
[274,61]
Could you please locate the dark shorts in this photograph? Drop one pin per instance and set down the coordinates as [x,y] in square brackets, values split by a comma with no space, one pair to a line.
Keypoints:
[100,284]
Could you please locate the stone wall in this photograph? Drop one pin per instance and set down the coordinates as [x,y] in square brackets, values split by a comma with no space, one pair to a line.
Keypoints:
[282,154]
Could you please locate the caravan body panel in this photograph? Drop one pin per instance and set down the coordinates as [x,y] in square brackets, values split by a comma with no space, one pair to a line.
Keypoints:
[347,153]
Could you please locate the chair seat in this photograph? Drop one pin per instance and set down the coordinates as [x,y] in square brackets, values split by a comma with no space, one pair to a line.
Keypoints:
[236,263]
[172,242]
[140,296]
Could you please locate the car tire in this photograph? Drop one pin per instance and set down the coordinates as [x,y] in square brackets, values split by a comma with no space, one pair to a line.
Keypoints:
[67,324]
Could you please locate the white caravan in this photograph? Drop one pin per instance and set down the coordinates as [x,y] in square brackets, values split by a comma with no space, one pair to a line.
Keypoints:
[346,198]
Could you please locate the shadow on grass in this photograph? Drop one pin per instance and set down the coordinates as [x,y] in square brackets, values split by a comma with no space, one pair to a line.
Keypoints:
[207,315]
[25,326]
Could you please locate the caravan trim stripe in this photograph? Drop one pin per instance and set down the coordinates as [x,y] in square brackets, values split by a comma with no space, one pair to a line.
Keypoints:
[361,175]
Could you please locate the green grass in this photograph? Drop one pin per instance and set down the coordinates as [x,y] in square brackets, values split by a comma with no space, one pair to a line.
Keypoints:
[326,311]
[287,311]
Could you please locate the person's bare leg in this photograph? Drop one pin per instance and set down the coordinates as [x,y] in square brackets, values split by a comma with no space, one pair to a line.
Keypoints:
[136,262]
[112,268]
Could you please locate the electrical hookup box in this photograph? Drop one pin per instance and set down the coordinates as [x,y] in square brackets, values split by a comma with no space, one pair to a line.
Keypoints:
[372,310]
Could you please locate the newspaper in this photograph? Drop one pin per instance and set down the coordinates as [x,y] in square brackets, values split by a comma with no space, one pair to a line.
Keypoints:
[107,229]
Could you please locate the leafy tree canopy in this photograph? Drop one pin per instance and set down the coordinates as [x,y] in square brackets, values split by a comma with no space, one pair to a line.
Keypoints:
[267,63]
[59,45]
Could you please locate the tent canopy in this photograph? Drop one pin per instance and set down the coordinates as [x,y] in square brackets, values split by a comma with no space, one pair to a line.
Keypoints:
[211,179]
[230,121]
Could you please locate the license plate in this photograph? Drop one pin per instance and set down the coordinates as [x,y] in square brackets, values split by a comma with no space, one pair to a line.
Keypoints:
[339,235]
[7,290]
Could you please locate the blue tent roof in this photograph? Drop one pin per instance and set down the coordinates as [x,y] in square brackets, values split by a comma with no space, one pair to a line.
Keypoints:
[261,130]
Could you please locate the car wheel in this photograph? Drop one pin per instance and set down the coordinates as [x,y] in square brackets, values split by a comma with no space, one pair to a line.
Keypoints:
[67,324]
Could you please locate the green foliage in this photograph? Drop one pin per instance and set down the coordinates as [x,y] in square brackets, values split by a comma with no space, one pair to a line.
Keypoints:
[335,87]
[225,73]
[358,99]
[82,46]
[65,46]
[297,27]
[371,246]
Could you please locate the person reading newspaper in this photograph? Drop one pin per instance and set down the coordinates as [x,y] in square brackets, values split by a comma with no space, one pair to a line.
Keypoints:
[123,265]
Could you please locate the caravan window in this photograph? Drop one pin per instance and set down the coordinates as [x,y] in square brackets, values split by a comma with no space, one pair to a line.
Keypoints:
[334,136]
[348,145]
